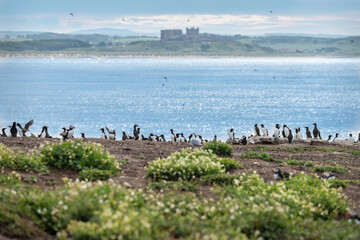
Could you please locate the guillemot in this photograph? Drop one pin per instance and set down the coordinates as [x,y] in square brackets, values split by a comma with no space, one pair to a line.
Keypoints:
[308,133]
[256,130]
[264,131]
[172,136]
[316,132]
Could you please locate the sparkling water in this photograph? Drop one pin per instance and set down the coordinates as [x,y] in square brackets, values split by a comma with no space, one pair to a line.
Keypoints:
[207,96]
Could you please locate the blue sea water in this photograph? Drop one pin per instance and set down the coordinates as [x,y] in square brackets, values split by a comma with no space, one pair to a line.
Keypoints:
[203,95]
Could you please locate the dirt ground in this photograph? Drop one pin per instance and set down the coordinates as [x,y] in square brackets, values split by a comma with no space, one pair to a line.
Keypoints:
[137,154]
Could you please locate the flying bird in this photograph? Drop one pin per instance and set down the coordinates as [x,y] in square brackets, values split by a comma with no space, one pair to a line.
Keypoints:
[71,14]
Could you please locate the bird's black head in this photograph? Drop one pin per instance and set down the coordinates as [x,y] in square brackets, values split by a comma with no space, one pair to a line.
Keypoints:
[336,135]
[14,124]
[262,125]
[350,135]
[284,125]
[255,125]
[314,124]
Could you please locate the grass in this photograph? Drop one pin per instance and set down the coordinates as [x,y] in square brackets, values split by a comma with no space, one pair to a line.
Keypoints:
[219,148]
[330,169]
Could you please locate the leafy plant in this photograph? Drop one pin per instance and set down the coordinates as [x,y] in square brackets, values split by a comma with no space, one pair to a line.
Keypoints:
[218,147]
[95,174]
[78,156]
[22,161]
[262,156]
[189,164]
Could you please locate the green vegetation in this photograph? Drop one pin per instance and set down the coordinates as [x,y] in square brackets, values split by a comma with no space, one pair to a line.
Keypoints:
[90,159]
[330,169]
[189,164]
[22,161]
[249,208]
[218,147]
[42,45]
[263,156]
[171,185]
[78,156]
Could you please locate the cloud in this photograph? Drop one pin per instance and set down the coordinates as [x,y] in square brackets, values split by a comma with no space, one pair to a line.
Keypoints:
[218,23]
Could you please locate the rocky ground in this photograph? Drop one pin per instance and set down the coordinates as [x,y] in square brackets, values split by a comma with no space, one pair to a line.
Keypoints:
[137,154]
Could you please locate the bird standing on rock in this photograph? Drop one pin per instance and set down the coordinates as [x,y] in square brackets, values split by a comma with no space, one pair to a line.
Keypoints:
[290,137]
[172,136]
[277,131]
[308,133]
[112,133]
[256,130]
[3,132]
[286,131]
[82,135]
[103,134]
[264,131]
[64,134]
[194,140]
[124,136]
[231,134]
[316,132]
[13,130]
[70,131]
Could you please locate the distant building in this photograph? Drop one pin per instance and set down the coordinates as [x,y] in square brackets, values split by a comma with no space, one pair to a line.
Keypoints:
[192,34]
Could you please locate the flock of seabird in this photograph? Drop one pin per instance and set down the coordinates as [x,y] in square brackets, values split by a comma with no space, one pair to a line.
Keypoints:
[261,134]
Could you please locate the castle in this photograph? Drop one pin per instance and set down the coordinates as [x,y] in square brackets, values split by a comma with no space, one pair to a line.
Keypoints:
[192,35]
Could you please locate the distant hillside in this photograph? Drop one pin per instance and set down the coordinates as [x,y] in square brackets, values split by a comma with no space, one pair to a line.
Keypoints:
[112,32]
[42,45]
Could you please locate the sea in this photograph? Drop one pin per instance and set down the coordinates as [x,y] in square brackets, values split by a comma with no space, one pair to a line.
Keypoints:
[207,96]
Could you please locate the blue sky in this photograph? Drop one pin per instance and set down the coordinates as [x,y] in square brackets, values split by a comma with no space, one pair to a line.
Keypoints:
[253,17]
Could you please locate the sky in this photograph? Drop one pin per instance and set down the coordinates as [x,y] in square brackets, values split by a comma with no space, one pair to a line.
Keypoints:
[245,17]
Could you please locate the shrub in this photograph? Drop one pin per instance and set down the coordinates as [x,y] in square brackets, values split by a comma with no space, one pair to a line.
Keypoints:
[218,147]
[10,180]
[250,209]
[178,185]
[330,169]
[78,156]
[262,156]
[222,178]
[22,161]
[186,165]
[95,174]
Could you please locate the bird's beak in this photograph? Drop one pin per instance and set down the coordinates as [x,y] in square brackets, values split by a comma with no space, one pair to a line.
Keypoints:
[272,170]
[347,214]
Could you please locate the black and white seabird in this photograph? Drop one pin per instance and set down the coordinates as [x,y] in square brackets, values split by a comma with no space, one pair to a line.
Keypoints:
[182,138]
[3,132]
[64,134]
[231,134]
[178,137]
[298,135]
[285,131]
[329,138]
[290,137]
[280,175]
[103,134]
[22,131]
[70,132]
[351,138]
[243,140]
[162,138]
[308,133]
[256,130]
[112,133]
[82,135]
[264,131]
[13,130]
[172,136]
[277,131]
[316,132]
[194,140]
[327,175]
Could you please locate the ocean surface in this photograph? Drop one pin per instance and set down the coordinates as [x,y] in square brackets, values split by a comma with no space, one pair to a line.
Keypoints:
[207,96]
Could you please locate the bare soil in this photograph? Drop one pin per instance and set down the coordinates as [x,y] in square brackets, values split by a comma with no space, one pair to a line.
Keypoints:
[137,154]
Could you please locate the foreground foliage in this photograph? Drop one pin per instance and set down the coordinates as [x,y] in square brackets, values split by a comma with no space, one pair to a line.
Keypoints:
[189,164]
[301,208]
[219,147]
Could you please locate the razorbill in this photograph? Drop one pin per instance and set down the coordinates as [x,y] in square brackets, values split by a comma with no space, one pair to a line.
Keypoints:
[277,131]
[3,132]
[316,132]
[285,131]
[308,133]
[256,130]
[103,134]
[172,136]
[70,132]
[182,138]
[231,134]
[264,131]
[13,130]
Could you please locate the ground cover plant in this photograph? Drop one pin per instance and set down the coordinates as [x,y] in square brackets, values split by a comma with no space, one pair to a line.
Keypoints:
[189,164]
[247,209]
[22,161]
[330,169]
[219,147]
